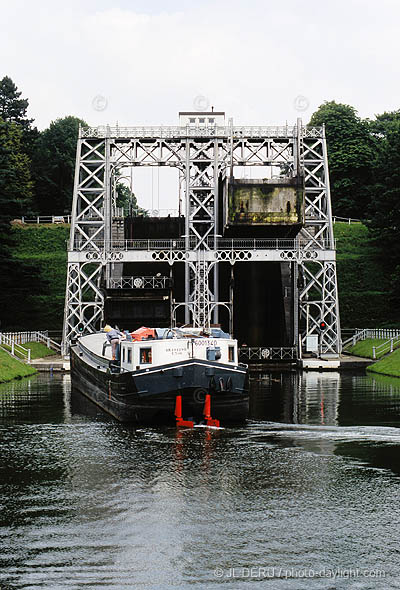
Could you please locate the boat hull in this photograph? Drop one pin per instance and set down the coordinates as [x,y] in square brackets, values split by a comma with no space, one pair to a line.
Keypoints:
[149,395]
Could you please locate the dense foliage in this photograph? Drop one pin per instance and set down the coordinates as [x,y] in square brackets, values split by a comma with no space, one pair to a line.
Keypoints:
[350,153]
[44,246]
[12,107]
[54,166]
[364,163]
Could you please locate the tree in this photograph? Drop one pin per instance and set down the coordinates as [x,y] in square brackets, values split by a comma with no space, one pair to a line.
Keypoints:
[351,149]
[384,209]
[12,107]
[13,110]
[15,198]
[127,200]
[15,180]
[54,166]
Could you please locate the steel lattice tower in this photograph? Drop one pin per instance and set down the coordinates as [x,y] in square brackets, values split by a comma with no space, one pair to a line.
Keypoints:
[203,156]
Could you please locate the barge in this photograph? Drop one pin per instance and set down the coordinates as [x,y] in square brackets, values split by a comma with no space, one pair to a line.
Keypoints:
[160,372]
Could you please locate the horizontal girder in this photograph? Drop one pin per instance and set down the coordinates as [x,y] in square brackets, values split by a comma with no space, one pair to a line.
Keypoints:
[172,255]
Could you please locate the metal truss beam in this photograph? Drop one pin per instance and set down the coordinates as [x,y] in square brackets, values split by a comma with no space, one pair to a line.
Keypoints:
[224,255]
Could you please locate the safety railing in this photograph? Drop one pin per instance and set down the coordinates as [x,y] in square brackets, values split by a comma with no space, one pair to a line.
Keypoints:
[8,344]
[180,131]
[139,212]
[45,219]
[42,219]
[19,338]
[139,283]
[391,337]
[364,333]
[385,347]
[218,244]
[261,353]
[348,220]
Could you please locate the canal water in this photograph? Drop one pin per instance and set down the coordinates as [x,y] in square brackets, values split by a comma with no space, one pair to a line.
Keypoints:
[304,496]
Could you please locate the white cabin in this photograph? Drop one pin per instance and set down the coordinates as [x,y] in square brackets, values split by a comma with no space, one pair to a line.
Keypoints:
[153,353]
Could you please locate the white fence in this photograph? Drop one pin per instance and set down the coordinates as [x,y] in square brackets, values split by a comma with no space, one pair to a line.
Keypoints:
[15,348]
[18,338]
[348,220]
[390,335]
[385,347]
[47,219]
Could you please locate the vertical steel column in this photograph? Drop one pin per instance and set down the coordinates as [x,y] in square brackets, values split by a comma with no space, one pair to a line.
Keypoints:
[202,194]
[187,231]
[84,301]
[320,281]
[107,211]
[215,240]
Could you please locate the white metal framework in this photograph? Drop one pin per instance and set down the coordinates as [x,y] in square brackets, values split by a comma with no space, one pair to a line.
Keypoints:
[203,156]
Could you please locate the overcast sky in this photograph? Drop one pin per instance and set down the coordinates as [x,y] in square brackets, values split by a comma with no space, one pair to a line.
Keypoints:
[140,62]
[148,60]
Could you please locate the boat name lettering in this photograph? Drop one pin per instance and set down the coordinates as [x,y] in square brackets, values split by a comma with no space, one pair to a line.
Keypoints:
[175,350]
[201,342]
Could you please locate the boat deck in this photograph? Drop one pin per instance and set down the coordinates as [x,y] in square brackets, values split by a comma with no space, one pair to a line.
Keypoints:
[95,343]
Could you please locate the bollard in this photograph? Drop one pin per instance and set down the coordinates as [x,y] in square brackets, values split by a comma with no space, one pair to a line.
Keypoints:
[373,353]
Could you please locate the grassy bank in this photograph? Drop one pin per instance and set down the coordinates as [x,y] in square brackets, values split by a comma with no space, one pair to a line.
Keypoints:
[363,279]
[390,365]
[45,247]
[11,368]
[364,347]
[38,350]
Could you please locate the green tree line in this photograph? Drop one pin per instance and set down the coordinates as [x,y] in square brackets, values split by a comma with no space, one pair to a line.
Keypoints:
[36,178]
[364,166]
[37,172]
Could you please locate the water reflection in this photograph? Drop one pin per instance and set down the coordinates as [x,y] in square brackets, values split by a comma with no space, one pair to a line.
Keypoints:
[310,481]
[325,398]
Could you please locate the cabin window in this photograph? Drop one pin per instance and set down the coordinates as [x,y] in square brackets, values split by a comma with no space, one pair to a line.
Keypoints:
[145,356]
[231,354]
[211,121]
[191,120]
[123,354]
[129,356]
[214,354]
[201,120]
